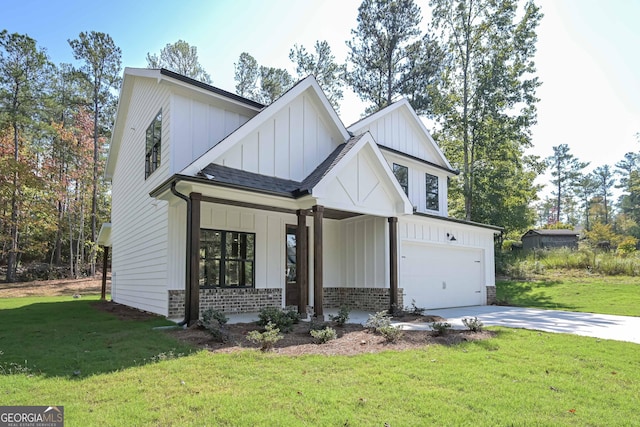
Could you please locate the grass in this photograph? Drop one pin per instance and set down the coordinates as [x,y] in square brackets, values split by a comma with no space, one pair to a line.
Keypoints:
[618,295]
[517,378]
[62,336]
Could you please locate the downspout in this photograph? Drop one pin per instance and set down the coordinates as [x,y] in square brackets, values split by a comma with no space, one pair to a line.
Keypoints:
[187,267]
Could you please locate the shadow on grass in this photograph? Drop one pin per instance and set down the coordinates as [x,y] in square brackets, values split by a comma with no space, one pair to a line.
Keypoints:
[72,339]
[528,294]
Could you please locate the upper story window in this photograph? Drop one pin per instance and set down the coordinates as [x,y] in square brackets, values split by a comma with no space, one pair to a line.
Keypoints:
[402,175]
[432,192]
[153,145]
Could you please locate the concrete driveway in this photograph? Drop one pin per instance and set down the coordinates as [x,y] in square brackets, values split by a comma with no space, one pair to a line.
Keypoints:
[605,326]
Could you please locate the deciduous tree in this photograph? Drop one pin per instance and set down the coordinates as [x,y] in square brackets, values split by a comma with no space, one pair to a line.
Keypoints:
[23,70]
[486,100]
[101,68]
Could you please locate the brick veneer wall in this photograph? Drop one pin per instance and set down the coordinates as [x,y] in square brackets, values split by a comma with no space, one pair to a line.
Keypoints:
[228,300]
[491,295]
[369,299]
[252,300]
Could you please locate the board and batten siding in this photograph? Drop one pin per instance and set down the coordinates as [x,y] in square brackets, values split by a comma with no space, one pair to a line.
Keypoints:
[139,231]
[363,253]
[290,145]
[432,231]
[197,126]
[399,132]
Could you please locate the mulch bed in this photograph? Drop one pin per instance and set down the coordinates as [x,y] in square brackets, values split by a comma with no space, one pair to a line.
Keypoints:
[352,338]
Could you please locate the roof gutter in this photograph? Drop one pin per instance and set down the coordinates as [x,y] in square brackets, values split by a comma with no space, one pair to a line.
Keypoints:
[187,268]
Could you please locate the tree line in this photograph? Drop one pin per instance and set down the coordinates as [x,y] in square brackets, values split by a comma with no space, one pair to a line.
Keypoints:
[471,72]
[585,198]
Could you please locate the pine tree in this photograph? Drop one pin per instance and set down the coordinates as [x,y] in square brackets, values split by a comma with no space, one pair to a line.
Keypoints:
[379,50]
[329,74]
[182,58]
[101,69]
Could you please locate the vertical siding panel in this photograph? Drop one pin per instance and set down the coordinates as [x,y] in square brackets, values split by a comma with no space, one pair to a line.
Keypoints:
[266,151]
[296,141]
[282,150]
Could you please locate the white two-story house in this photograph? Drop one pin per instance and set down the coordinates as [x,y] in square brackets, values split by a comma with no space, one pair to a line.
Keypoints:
[219,201]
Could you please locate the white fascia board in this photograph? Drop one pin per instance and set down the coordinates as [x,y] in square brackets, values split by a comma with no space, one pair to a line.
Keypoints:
[404,205]
[404,104]
[309,83]
[122,111]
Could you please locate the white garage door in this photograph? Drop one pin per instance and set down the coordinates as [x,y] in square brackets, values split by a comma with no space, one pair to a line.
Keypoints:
[441,276]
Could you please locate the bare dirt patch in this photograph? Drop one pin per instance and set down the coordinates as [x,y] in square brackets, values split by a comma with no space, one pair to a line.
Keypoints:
[84,286]
[123,312]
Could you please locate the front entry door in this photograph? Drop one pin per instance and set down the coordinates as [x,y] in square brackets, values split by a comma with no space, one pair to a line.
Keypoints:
[292,291]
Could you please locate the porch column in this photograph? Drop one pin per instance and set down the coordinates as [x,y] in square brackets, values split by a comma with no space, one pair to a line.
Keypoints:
[302,262]
[318,214]
[393,263]
[105,264]
[194,259]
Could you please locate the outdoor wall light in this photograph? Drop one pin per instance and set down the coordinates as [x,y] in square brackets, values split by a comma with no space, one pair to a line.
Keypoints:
[451,237]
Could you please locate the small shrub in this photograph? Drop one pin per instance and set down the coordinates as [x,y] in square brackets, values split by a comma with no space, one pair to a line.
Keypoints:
[324,335]
[316,324]
[379,320]
[281,319]
[414,309]
[210,314]
[391,333]
[213,321]
[474,325]
[396,311]
[440,328]
[266,339]
[341,318]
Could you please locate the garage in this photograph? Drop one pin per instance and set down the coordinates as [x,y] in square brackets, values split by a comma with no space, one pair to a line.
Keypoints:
[439,276]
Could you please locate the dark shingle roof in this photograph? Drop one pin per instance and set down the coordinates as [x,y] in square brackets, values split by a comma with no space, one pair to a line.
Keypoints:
[323,169]
[248,180]
[554,232]
[278,186]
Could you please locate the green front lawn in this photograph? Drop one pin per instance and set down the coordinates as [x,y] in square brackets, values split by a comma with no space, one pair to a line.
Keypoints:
[607,294]
[104,372]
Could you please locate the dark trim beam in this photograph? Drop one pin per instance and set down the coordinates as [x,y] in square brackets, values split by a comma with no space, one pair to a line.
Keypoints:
[105,265]
[318,214]
[194,259]
[302,262]
[393,263]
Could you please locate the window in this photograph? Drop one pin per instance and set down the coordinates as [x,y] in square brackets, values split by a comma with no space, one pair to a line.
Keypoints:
[402,175]
[226,258]
[153,147]
[432,192]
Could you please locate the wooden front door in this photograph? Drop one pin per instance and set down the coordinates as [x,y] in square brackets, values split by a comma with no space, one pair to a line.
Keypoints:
[292,290]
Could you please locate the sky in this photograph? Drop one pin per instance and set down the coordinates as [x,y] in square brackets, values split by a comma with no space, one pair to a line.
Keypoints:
[587,53]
